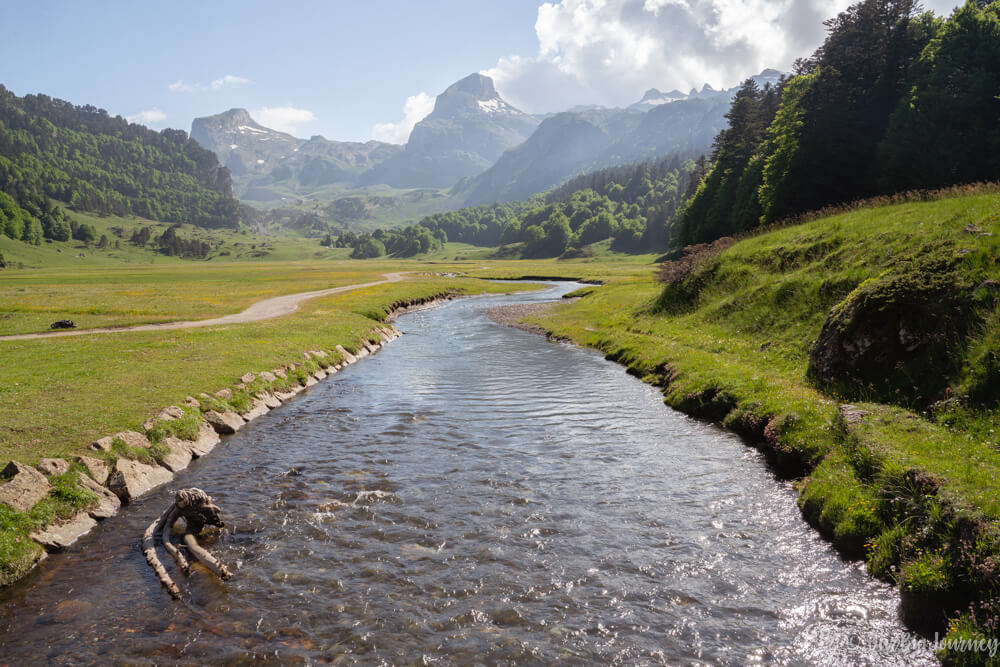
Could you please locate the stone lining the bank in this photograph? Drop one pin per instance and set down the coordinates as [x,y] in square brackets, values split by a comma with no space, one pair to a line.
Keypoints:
[126,479]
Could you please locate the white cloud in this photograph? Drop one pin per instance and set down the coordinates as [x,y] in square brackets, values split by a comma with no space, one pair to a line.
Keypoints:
[285,119]
[609,51]
[415,110]
[147,117]
[228,81]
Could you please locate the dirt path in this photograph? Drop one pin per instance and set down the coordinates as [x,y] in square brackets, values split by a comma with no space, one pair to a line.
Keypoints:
[262,310]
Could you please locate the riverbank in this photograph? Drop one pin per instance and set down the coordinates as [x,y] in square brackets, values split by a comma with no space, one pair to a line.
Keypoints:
[911,491]
[78,413]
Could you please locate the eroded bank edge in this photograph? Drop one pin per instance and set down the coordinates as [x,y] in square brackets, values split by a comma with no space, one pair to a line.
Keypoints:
[58,501]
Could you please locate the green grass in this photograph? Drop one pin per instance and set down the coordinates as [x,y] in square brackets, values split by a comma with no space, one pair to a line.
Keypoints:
[913,491]
[18,552]
[57,395]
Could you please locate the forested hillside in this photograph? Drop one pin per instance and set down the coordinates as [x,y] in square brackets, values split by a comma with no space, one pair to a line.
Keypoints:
[894,100]
[52,151]
[632,205]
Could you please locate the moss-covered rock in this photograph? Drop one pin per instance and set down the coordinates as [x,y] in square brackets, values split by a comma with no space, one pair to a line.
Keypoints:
[897,338]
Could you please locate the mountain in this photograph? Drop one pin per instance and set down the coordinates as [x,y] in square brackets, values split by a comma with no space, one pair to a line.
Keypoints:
[569,144]
[468,130]
[267,164]
[53,151]
[573,143]
[654,98]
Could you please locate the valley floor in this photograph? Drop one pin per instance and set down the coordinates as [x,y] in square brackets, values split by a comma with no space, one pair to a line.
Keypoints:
[913,493]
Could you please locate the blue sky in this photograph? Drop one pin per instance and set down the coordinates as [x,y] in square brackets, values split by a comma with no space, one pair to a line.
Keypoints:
[354,70]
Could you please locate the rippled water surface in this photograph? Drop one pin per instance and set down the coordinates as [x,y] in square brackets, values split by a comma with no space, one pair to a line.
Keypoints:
[472,494]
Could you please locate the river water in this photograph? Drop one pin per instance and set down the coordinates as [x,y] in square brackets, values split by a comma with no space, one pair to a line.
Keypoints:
[472,494]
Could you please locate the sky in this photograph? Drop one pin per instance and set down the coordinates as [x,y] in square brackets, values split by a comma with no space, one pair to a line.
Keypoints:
[355,71]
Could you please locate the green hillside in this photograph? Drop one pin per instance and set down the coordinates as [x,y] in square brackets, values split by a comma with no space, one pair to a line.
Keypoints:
[51,150]
[890,310]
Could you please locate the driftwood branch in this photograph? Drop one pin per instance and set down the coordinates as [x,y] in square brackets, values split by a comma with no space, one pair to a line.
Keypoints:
[196,508]
[168,527]
[149,549]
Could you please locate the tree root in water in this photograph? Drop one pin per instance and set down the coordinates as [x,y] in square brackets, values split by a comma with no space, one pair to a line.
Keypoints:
[196,508]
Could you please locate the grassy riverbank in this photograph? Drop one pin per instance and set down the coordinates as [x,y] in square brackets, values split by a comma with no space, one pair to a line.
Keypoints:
[909,479]
[60,394]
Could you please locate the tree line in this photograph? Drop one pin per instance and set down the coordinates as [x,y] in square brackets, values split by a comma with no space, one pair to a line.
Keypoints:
[631,205]
[52,151]
[894,100]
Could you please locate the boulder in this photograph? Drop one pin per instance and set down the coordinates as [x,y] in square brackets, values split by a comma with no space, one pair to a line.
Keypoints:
[23,487]
[134,439]
[898,337]
[172,413]
[258,409]
[53,466]
[284,396]
[362,352]
[318,353]
[102,445]
[108,503]
[207,440]
[371,347]
[268,376]
[192,402]
[132,479]
[97,468]
[224,394]
[852,415]
[178,454]
[61,534]
[348,357]
[247,378]
[280,372]
[270,400]
[320,374]
[310,381]
[224,423]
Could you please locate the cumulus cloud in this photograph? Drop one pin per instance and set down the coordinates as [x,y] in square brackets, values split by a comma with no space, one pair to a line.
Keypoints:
[228,81]
[609,51]
[285,119]
[147,117]
[415,110]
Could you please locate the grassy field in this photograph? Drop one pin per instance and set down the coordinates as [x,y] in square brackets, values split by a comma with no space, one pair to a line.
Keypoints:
[228,245]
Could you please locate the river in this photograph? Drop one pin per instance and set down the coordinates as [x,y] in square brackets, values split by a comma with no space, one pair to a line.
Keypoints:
[472,494]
